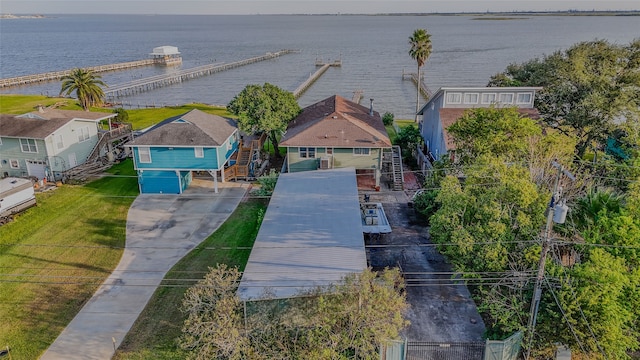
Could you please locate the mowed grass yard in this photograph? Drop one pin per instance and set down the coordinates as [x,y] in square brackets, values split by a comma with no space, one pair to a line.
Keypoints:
[139,118]
[54,256]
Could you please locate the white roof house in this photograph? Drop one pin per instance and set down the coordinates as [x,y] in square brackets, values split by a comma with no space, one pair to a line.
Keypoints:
[164,51]
[311,235]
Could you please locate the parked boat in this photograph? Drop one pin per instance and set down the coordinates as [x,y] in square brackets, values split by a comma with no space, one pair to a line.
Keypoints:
[374,220]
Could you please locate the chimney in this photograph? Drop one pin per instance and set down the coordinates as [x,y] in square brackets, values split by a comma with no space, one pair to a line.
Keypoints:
[371,108]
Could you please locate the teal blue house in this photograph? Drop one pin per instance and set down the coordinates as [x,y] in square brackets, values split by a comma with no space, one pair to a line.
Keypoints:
[166,156]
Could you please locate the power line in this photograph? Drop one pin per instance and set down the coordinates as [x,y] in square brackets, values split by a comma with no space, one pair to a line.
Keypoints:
[266,247]
[575,297]
[371,246]
[564,315]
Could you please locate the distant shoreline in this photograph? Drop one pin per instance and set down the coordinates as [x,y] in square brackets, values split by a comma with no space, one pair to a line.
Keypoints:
[11,16]
[513,15]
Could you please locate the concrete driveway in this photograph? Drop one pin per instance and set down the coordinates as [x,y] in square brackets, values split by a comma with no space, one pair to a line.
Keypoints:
[161,229]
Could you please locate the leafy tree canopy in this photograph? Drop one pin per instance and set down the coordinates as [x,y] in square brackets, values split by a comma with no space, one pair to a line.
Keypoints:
[347,320]
[408,139]
[265,108]
[496,131]
[588,89]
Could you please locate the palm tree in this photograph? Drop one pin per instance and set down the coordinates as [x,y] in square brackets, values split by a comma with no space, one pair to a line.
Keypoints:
[86,85]
[420,51]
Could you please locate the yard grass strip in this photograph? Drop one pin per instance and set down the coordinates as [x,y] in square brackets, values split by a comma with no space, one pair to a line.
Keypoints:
[154,334]
[54,256]
[401,124]
[139,118]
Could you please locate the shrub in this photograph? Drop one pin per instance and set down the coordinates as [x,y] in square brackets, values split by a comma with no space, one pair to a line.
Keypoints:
[387,119]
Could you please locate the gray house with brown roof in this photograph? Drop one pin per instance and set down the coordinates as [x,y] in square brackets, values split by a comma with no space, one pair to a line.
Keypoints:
[337,133]
[448,104]
[47,142]
[166,156]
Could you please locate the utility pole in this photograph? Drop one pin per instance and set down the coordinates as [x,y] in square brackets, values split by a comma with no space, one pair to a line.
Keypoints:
[546,244]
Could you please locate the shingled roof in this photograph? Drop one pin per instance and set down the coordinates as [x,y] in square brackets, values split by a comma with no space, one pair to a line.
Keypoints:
[48,114]
[336,122]
[448,116]
[194,128]
[22,127]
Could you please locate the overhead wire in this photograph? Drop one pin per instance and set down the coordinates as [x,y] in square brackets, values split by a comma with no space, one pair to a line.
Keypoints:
[575,298]
[564,315]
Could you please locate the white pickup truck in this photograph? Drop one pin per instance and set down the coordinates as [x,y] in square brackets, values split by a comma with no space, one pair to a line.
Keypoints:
[16,194]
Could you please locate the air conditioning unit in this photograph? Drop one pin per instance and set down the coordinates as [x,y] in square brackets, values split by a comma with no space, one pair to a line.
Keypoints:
[325,163]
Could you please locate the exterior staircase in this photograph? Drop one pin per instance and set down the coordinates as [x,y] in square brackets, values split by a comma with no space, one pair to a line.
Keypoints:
[396,164]
[246,155]
[95,163]
[392,167]
[114,137]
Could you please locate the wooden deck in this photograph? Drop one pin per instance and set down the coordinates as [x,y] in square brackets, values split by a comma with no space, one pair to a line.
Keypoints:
[57,75]
[315,76]
[245,155]
[424,89]
[158,81]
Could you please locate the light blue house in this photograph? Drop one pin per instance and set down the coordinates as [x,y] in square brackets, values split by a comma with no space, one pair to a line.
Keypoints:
[47,142]
[166,156]
[448,104]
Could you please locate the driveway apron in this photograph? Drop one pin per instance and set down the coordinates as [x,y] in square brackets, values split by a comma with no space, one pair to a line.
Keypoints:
[161,229]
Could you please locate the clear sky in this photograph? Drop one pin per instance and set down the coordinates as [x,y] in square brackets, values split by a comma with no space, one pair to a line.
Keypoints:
[300,6]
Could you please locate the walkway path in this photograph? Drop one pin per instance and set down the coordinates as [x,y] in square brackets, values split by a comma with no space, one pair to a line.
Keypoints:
[161,229]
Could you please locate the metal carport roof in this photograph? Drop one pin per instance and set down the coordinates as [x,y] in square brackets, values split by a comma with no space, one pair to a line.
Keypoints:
[311,235]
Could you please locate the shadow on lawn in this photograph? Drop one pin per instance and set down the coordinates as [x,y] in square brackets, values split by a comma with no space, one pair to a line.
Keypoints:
[108,232]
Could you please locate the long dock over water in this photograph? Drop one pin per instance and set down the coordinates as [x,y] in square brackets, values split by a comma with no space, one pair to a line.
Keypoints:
[315,76]
[424,89]
[57,75]
[154,82]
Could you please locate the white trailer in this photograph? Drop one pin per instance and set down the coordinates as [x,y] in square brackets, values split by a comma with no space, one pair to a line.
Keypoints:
[16,194]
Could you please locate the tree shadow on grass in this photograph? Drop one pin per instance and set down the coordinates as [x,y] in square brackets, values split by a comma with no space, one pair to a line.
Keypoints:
[107,232]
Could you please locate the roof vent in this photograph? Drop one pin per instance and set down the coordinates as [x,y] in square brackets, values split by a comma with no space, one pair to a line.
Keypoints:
[335,116]
[371,108]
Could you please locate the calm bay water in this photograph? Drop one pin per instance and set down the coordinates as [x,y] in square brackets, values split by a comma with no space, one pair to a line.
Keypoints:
[373,49]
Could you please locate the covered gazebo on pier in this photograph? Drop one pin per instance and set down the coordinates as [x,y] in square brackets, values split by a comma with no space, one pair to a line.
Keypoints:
[166,55]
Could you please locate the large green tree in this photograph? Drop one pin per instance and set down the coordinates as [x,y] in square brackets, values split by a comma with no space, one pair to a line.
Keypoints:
[589,90]
[86,85]
[420,50]
[348,320]
[265,108]
[498,131]
[488,223]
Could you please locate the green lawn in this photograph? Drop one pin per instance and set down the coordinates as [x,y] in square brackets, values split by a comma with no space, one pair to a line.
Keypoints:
[154,334]
[20,104]
[54,255]
[143,118]
[140,118]
[391,130]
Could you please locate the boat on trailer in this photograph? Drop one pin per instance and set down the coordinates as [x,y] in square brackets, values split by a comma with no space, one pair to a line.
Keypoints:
[374,220]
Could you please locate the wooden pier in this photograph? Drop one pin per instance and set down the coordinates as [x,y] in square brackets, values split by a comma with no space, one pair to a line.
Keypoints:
[357,96]
[154,82]
[315,76]
[57,75]
[424,89]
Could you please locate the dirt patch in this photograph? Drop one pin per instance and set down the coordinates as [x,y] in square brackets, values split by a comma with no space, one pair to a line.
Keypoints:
[441,307]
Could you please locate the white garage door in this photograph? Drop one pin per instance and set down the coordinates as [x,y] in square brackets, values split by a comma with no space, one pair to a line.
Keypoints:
[36,168]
